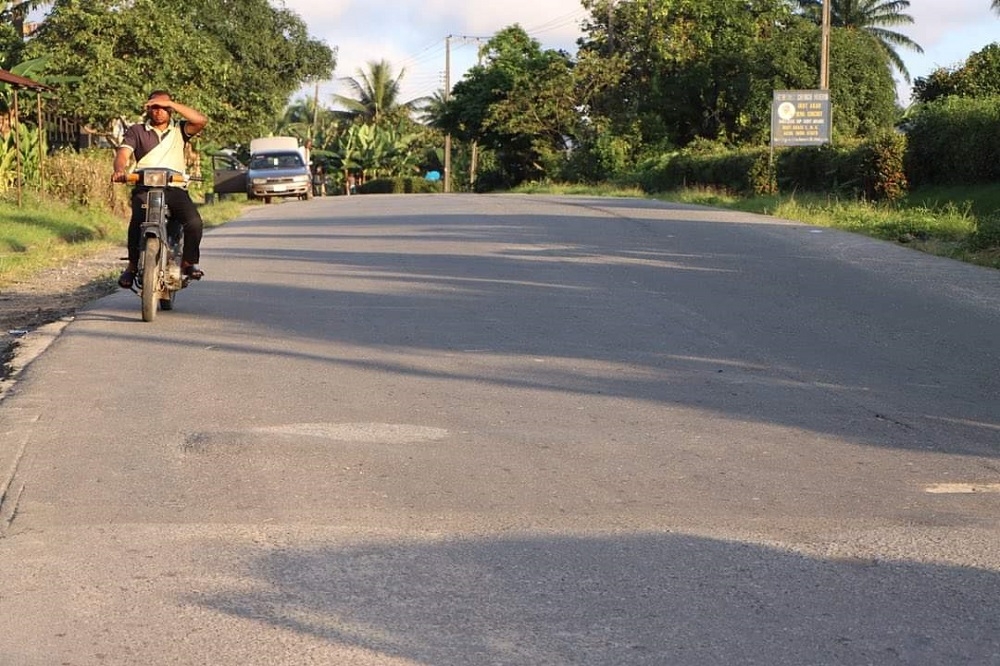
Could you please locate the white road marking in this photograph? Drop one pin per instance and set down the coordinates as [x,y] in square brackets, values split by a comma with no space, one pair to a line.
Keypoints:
[389,433]
[962,488]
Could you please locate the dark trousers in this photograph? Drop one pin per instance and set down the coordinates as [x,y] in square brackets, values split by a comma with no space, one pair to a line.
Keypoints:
[182,210]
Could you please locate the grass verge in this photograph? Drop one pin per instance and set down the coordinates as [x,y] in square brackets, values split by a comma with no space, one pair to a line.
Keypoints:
[42,234]
[78,214]
[943,223]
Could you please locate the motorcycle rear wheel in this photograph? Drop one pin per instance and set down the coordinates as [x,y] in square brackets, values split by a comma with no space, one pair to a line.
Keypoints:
[150,278]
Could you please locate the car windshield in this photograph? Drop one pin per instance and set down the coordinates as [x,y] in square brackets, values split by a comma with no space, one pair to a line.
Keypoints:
[276,161]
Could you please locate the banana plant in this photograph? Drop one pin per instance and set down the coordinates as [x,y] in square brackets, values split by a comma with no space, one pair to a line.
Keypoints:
[344,153]
[403,156]
[375,151]
[33,69]
[371,149]
[27,145]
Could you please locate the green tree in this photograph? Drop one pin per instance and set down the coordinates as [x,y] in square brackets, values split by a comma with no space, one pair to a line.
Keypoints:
[721,86]
[117,58]
[978,76]
[16,12]
[432,109]
[13,15]
[941,82]
[873,17]
[306,119]
[299,117]
[268,55]
[519,102]
[862,92]
[690,69]
[236,60]
[376,94]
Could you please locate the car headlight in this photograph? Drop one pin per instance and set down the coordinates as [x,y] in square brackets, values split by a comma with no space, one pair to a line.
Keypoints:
[260,181]
[301,179]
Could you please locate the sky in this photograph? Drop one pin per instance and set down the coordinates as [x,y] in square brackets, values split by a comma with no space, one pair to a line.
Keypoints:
[413,35]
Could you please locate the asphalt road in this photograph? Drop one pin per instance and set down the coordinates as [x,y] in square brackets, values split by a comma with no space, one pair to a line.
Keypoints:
[456,430]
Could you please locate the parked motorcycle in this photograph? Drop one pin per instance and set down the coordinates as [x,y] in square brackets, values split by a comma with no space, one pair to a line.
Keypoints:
[159,276]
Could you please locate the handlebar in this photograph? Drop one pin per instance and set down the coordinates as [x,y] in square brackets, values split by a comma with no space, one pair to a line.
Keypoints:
[155,177]
[136,178]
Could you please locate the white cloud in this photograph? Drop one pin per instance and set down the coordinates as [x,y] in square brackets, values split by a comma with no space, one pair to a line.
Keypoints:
[411,33]
[933,22]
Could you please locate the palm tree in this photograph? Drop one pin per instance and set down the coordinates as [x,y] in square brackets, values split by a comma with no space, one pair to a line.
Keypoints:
[432,108]
[376,94]
[871,16]
[299,118]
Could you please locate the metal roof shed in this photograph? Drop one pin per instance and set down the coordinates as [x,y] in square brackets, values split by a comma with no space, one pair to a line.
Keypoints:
[17,83]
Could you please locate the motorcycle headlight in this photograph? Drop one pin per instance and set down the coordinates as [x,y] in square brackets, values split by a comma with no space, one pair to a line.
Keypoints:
[154,178]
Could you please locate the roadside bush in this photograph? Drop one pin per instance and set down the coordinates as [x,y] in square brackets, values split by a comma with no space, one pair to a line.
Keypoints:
[699,165]
[763,176]
[601,156]
[884,174]
[954,141]
[422,186]
[987,232]
[751,171]
[408,185]
[829,169]
[378,186]
[873,169]
[84,179]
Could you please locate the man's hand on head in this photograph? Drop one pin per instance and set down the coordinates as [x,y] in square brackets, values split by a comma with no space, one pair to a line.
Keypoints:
[159,103]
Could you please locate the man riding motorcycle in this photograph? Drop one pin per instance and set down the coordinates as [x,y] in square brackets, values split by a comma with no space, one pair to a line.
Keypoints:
[159,142]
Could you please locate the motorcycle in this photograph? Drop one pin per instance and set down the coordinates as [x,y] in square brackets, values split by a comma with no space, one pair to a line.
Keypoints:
[158,276]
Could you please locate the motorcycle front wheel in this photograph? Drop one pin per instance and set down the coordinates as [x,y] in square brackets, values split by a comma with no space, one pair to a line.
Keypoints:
[150,278]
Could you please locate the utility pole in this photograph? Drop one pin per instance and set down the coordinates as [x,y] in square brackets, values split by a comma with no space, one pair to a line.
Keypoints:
[824,59]
[446,97]
[474,165]
[611,26]
[315,118]
[447,93]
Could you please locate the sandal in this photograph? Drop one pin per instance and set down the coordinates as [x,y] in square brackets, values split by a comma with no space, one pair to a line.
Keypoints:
[126,279]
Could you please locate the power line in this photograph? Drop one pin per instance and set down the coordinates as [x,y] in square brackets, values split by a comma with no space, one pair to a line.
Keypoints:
[425,55]
[573,17]
[427,83]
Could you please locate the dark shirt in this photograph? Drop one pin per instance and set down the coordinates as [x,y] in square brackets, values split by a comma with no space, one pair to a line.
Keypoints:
[142,138]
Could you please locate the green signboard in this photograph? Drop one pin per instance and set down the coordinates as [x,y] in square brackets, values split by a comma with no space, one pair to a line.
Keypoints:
[800,118]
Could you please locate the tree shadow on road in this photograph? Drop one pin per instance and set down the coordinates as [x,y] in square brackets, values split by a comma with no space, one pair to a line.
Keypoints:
[617,600]
[768,323]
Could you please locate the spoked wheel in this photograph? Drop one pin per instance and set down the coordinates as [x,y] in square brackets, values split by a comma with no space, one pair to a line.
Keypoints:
[150,278]
[175,250]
